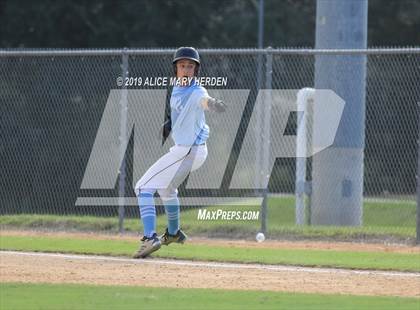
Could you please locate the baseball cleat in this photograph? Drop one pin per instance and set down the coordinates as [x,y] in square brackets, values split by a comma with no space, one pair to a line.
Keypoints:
[148,246]
[167,238]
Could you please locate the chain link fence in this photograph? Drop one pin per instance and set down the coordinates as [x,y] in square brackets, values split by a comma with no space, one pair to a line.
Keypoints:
[52,103]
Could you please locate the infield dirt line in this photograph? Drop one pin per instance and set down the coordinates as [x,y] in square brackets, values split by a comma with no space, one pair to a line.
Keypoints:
[30,267]
[156,261]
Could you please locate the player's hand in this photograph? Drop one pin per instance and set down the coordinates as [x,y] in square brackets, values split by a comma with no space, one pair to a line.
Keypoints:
[216,105]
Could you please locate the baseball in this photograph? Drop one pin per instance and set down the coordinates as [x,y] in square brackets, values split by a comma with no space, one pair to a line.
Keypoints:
[260,237]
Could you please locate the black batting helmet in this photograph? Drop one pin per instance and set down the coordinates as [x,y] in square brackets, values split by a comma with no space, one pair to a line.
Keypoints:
[187,53]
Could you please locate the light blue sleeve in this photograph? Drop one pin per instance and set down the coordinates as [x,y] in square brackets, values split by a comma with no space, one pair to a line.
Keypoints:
[198,95]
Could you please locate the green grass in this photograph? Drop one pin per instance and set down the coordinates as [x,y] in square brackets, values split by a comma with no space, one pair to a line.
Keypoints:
[71,296]
[390,220]
[300,257]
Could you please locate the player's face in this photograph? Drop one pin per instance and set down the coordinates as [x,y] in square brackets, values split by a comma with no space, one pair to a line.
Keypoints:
[185,68]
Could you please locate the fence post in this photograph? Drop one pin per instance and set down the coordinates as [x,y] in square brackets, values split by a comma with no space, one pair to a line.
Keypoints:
[266,137]
[258,134]
[123,142]
[418,177]
[258,88]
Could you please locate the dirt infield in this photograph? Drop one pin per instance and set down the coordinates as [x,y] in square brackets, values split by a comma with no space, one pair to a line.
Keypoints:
[60,268]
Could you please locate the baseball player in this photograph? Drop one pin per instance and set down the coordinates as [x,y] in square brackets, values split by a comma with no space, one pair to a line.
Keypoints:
[189,131]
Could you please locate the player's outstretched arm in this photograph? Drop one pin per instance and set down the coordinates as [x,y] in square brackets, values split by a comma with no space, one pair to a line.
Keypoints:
[213,104]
